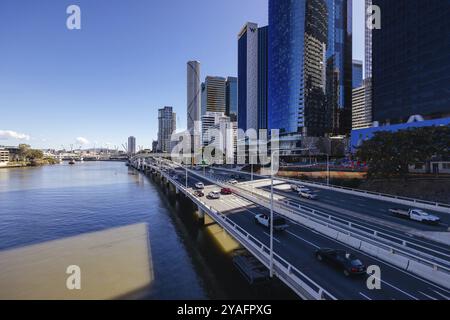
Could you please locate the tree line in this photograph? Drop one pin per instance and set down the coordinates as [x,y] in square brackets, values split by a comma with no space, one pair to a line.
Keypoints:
[390,154]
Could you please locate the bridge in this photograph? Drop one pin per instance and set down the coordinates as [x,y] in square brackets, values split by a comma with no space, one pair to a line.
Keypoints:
[414,259]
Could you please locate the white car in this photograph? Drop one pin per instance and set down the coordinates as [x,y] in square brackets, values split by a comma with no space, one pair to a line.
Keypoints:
[199,186]
[416,215]
[232,181]
[279,223]
[213,195]
[307,194]
[298,187]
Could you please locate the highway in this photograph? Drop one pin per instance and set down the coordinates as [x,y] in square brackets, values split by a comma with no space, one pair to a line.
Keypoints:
[369,213]
[298,245]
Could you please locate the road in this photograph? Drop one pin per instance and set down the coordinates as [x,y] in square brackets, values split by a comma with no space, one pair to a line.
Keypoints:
[366,213]
[298,245]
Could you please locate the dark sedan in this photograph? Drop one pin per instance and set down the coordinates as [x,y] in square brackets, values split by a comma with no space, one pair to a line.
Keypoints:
[348,262]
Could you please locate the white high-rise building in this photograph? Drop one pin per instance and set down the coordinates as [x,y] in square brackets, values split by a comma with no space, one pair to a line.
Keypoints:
[362,107]
[131,145]
[248,77]
[166,126]
[194,93]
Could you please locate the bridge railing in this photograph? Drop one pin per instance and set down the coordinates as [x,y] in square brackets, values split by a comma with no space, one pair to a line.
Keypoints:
[290,275]
[422,204]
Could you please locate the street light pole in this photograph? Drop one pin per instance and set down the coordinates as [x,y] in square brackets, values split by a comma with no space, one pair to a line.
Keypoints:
[271,215]
[328,169]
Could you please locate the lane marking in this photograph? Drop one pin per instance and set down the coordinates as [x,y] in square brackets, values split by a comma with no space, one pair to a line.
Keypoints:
[400,290]
[300,238]
[442,295]
[429,297]
[273,237]
[368,298]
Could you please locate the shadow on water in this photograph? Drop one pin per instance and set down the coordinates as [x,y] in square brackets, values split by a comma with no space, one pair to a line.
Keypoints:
[221,279]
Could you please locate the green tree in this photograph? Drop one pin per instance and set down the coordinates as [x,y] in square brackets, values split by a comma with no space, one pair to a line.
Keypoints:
[389,154]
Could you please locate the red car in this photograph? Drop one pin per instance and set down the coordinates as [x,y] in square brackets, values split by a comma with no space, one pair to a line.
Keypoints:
[226,191]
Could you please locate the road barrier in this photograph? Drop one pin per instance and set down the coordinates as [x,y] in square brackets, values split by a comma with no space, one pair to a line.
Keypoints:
[300,283]
[417,203]
[409,261]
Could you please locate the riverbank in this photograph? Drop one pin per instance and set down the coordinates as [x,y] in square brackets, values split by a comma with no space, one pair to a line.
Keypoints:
[34,163]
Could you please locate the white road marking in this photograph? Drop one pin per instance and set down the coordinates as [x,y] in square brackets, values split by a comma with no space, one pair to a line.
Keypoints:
[273,237]
[429,297]
[368,298]
[443,296]
[300,238]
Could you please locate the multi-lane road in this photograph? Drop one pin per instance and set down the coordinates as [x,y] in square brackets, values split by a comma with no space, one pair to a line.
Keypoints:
[298,245]
[361,211]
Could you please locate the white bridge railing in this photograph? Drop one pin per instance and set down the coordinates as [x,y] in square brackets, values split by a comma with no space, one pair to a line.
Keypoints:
[422,204]
[300,283]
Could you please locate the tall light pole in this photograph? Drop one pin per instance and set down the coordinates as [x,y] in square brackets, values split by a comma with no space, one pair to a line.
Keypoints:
[271,213]
[328,169]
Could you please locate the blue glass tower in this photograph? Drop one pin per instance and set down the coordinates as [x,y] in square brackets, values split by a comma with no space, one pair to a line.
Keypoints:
[411,61]
[310,66]
[263,34]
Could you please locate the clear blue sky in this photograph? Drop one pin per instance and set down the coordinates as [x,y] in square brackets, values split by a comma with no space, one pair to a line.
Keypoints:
[107,80]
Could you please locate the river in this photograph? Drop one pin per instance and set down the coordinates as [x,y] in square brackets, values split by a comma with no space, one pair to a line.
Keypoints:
[53,203]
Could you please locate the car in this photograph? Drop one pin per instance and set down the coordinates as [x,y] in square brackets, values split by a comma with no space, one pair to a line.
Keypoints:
[232,181]
[199,186]
[226,191]
[307,194]
[297,187]
[349,263]
[199,194]
[416,215]
[213,195]
[279,223]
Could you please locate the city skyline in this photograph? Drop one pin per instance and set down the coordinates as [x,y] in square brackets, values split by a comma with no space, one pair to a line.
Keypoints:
[96,78]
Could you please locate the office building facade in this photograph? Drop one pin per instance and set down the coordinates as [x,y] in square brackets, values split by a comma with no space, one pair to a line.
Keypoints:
[193,96]
[310,67]
[357,74]
[263,74]
[362,112]
[131,145]
[215,94]
[248,77]
[166,126]
[411,61]
[232,98]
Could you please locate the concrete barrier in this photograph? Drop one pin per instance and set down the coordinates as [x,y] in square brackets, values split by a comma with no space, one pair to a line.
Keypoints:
[429,273]
[395,259]
[349,240]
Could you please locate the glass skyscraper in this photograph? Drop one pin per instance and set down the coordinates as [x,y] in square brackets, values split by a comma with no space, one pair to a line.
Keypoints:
[232,98]
[411,60]
[263,38]
[357,74]
[310,66]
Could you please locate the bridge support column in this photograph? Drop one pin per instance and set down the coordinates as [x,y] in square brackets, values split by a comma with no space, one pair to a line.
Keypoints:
[201,214]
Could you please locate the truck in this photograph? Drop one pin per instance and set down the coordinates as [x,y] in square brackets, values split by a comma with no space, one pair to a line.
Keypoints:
[416,215]
[279,223]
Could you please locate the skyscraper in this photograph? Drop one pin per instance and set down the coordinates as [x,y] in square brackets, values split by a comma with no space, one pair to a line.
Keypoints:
[357,74]
[193,95]
[232,98]
[215,93]
[310,67]
[166,126]
[252,77]
[248,77]
[362,111]
[131,145]
[263,70]
[411,60]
